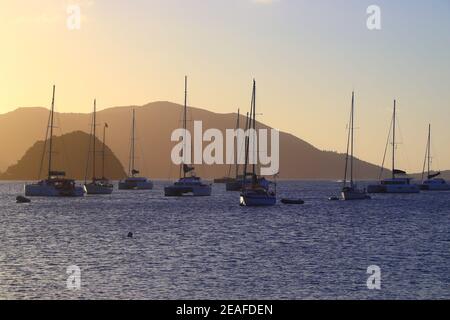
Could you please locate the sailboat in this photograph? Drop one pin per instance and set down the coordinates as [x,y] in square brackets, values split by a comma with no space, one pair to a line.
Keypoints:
[236,183]
[98,185]
[350,191]
[432,183]
[133,181]
[56,185]
[254,194]
[188,183]
[399,182]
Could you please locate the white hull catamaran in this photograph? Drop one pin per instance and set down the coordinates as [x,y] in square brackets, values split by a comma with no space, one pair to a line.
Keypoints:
[98,186]
[56,185]
[254,194]
[133,181]
[432,183]
[350,191]
[187,184]
[235,184]
[395,184]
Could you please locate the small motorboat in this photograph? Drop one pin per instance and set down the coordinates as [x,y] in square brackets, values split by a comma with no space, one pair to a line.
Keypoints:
[22,199]
[292,201]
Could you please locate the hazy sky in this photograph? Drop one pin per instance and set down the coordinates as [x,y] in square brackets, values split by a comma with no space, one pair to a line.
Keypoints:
[307,57]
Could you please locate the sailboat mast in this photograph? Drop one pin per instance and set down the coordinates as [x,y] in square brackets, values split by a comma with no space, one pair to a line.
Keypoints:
[184,125]
[254,127]
[51,135]
[348,148]
[132,143]
[429,149]
[247,142]
[393,139]
[104,150]
[352,137]
[94,138]
[238,126]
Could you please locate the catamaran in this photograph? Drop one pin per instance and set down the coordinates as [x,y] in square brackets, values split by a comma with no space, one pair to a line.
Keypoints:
[56,185]
[432,183]
[254,194]
[395,184]
[98,185]
[350,191]
[188,183]
[235,184]
[133,181]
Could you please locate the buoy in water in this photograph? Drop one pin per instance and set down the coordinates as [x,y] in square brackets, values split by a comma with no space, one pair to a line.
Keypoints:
[22,199]
[292,201]
[130,235]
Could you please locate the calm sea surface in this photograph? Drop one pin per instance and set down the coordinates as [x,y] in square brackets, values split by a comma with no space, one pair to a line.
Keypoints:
[208,248]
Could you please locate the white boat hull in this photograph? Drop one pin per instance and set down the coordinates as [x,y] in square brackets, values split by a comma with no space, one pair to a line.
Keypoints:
[354,195]
[257,201]
[97,189]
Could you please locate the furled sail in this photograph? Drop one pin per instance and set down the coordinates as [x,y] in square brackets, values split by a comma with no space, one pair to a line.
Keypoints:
[431,176]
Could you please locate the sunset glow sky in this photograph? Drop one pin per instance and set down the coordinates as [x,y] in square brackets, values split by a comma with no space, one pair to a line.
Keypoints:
[307,57]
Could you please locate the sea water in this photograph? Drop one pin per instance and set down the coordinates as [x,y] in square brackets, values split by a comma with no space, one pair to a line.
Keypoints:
[211,248]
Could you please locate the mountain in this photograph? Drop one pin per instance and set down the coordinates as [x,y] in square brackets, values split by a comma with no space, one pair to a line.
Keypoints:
[70,155]
[155,122]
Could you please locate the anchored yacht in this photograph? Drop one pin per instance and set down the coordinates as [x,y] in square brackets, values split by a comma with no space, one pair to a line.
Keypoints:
[102,185]
[56,185]
[399,182]
[350,190]
[133,181]
[188,183]
[432,183]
